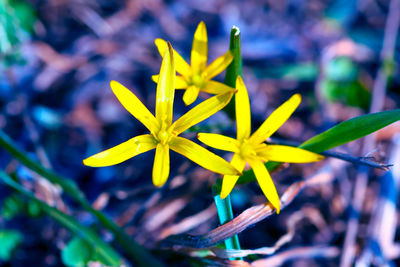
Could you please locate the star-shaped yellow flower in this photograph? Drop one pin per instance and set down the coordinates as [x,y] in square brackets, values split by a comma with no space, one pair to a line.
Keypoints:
[197,77]
[252,149]
[163,133]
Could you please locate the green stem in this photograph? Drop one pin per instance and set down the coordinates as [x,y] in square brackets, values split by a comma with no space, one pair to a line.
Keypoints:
[234,69]
[134,250]
[225,214]
[224,206]
[107,252]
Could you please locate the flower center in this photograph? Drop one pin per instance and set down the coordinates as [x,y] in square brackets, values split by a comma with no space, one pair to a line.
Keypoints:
[247,149]
[197,80]
[165,134]
[163,137]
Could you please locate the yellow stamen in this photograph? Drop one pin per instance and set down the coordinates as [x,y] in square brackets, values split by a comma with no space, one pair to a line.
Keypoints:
[247,149]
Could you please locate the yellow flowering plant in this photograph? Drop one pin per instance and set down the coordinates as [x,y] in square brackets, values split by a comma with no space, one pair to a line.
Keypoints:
[163,134]
[252,149]
[197,77]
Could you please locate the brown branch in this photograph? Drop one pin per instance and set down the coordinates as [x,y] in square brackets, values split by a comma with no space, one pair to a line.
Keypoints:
[247,218]
[346,157]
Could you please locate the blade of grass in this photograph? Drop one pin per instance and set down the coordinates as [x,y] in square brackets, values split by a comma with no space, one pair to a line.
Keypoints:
[106,252]
[351,130]
[234,69]
[131,247]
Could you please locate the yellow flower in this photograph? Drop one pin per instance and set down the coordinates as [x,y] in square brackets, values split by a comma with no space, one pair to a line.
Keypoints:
[197,77]
[163,133]
[252,149]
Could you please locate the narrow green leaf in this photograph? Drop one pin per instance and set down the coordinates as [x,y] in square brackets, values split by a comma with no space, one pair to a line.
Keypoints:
[351,130]
[107,252]
[132,248]
[67,185]
[224,206]
[234,69]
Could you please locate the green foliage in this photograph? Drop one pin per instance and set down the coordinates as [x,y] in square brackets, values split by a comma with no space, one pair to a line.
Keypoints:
[341,69]
[33,209]
[14,205]
[17,18]
[107,253]
[341,11]
[302,72]
[341,83]
[9,240]
[78,253]
[133,249]
[351,130]
[234,69]
[24,14]
[299,72]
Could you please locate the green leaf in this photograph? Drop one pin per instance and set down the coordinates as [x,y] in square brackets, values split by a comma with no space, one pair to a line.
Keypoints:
[12,206]
[25,13]
[107,252]
[234,69]
[9,240]
[352,93]
[67,185]
[341,69]
[77,253]
[299,72]
[17,19]
[341,83]
[351,130]
[33,209]
[133,249]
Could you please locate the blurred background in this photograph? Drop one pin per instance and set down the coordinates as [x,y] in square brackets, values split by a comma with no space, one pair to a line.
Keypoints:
[58,57]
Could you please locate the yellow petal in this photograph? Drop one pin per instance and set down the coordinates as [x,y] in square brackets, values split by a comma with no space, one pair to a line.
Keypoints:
[288,154]
[219,141]
[161,165]
[199,49]
[132,104]
[201,112]
[218,66]
[242,106]
[201,156]
[265,181]
[229,181]
[180,82]
[122,152]
[217,88]
[166,88]
[190,94]
[276,119]
[181,66]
